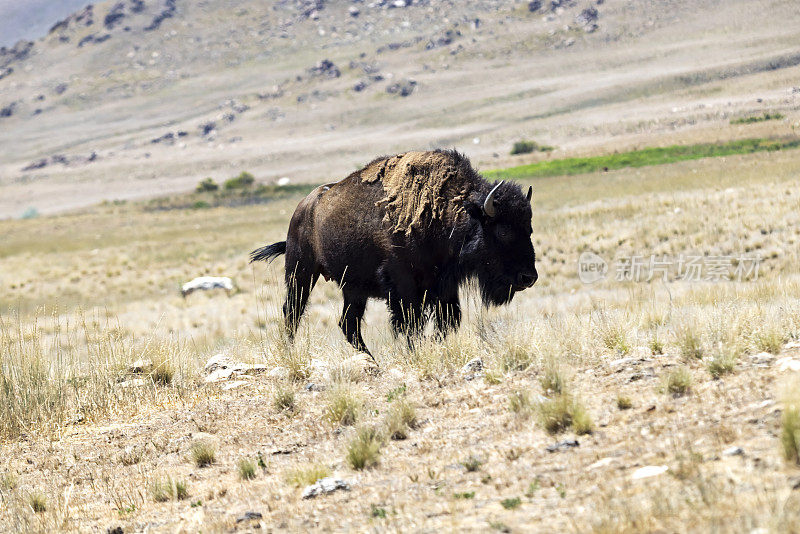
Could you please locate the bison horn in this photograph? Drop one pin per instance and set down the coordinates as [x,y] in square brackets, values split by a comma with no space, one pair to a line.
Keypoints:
[530,193]
[488,204]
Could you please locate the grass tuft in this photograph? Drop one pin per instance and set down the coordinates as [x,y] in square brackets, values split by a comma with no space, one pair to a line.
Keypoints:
[305,475]
[283,400]
[247,469]
[38,502]
[402,417]
[168,489]
[624,403]
[790,426]
[677,382]
[562,412]
[203,454]
[342,406]
[364,448]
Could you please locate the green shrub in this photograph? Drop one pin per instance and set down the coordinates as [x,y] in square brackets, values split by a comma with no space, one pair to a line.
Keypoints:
[245,180]
[526,147]
[206,186]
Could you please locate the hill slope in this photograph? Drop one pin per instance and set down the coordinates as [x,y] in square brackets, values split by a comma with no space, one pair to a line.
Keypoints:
[246,85]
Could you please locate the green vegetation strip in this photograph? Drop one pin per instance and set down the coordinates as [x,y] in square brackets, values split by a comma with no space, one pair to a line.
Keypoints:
[642,158]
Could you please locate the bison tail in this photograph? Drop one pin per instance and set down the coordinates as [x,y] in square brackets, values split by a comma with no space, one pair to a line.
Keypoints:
[268,253]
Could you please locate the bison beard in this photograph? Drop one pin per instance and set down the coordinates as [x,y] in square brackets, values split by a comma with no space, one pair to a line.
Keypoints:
[409,229]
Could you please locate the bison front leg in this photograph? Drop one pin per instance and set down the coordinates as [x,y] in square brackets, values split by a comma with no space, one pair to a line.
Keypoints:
[407,318]
[350,322]
[447,314]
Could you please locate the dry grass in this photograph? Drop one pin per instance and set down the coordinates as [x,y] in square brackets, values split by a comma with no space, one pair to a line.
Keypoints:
[305,475]
[203,454]
[64,407]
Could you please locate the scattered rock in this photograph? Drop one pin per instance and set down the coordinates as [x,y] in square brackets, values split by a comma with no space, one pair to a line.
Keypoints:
[403,87]
[792,345]
[325,68]
[311,386]
[207,283]
[621,363]
[8,110]
[60,89]
[601,463]
[763,359]
[534,6]
[325,486]
[649,471]
[249,516]
[169,11]
[84,18]
[787,363]
[220,367]
[473,366]
[115,530]
[443,40]
[142,365]
[233,385]
[587,19]
[733,451]
[354,11]
[93,38]
[16,53]
[206,128]
[114,16]
[563,445]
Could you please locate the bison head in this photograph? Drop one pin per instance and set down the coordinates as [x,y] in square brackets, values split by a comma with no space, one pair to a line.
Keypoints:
[497,248]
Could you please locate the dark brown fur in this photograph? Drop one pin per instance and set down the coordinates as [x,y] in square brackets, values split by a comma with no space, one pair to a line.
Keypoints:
[408,229]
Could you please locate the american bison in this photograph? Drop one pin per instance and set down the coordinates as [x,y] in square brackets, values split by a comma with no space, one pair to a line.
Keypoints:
[408,229]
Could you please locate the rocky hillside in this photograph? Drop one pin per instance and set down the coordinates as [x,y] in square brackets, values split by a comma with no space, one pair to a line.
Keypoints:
[132,98]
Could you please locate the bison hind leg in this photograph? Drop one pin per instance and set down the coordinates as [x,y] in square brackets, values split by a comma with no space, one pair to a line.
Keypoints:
[298,288]
[350,322]
[407,317]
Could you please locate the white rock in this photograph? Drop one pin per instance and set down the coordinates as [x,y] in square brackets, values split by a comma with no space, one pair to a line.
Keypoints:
[649,471]
[140,366]
[762,358]
[233,385]
[792,345]
[733,451]
[325,486]
[473,366]
[788,363]
[217,361]
[283,181]
[601,463]
[219,375]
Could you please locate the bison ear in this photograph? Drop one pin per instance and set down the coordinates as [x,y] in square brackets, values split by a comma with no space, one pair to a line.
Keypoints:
[474,210]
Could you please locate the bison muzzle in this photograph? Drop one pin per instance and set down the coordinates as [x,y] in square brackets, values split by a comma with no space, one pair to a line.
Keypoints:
[408,229]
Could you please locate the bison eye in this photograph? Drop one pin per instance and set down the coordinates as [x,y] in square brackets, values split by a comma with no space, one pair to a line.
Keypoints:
[503,233]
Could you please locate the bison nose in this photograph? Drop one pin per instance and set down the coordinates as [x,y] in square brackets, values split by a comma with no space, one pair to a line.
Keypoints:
[527,279]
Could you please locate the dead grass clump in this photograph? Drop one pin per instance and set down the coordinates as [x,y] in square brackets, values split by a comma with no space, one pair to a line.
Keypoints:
[342,406]
[790,425]
[519,402]
[613,332]
[168,489]
[247,469]
[401,418]
[283,400]
[515,358]
[553,380]
[203,454]
[472,464]
[364,448]
[769,339]
[624,403]
[723,362]
[38,502]
[305,475]
[677,382]
[689,341]
[563,412]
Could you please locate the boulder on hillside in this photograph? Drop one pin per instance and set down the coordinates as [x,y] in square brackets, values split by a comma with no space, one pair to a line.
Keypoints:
[325,68]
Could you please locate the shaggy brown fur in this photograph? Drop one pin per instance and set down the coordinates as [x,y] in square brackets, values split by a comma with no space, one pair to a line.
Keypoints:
[421,188]
[408,229]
